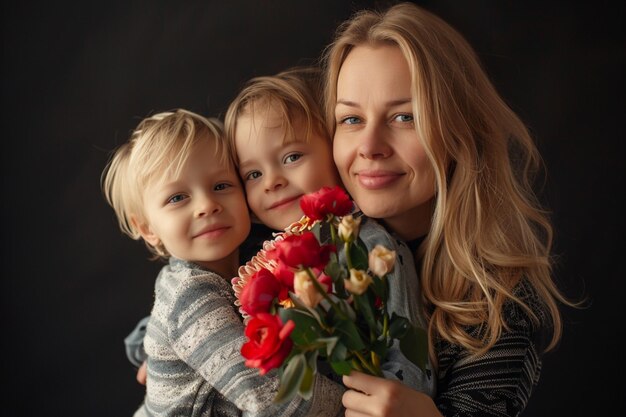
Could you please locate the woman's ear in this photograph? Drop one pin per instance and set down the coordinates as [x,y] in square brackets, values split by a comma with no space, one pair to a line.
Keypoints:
[145,231]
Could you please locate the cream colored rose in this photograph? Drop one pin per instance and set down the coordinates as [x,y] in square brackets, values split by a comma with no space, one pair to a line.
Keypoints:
[349,228]
[358,282]
[305,289]
[381,260]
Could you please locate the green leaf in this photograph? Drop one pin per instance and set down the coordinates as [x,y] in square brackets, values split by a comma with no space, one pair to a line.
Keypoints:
[378,286]
[306,386]
[414,345]
[316,231]
[339,353]
[380,348]
[364,305]
[349,334]
[359,255]
[347,309]
[341,367]
[330,343]
[307,329]
[398,326]
[291,379]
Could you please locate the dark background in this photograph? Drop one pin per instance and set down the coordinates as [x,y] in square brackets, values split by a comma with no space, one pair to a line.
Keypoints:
[77,77]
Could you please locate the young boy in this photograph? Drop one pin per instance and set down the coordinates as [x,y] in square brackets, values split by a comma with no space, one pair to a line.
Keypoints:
[174,186]
[281,146]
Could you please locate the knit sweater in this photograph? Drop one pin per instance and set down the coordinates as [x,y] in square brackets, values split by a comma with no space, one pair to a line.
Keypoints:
[195,368]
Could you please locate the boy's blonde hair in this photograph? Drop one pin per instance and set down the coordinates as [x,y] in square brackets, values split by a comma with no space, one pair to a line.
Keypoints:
[295,94]
[488,230]
[158,148]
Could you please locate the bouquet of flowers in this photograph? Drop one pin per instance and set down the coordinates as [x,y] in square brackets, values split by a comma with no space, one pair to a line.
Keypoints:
[315,292]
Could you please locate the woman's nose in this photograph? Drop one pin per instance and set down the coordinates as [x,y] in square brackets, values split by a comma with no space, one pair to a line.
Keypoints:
[373,144]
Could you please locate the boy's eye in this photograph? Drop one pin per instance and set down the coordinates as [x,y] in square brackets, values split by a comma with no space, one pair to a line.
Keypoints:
[252,175]
[176,198]
[404,118]
[292,157]
[222,186]
[350,120]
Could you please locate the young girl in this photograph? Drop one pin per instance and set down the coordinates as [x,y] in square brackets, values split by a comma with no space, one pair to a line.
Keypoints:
[424,143]
[174,186]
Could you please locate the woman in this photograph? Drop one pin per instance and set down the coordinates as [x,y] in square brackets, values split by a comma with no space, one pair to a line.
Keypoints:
[424,144]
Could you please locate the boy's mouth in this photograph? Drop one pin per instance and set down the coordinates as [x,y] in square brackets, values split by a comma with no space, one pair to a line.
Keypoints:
[284,202]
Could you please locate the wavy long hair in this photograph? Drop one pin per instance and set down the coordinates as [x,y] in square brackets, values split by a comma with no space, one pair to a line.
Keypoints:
[488,230]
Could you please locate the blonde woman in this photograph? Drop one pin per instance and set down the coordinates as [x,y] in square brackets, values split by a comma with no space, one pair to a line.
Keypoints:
[425,145]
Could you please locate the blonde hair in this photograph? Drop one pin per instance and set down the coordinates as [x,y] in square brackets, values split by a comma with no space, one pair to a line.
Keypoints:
[296,94]
[488,231]
[158,147]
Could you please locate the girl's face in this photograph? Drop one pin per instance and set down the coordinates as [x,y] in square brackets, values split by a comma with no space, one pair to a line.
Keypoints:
[379,156]
[277,173]
[200,216]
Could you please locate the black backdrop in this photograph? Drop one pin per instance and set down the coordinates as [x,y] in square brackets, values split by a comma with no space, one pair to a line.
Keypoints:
[76,77]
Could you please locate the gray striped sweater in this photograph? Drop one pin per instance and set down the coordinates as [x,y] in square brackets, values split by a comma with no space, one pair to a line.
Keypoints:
[195,367]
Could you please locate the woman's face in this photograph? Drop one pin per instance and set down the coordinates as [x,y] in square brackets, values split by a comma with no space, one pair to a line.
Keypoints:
[379,156]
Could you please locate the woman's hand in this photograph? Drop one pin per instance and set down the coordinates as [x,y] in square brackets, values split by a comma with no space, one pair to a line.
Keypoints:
[378,397]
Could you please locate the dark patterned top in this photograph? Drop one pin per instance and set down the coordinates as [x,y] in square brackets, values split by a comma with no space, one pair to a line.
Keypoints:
[499,382]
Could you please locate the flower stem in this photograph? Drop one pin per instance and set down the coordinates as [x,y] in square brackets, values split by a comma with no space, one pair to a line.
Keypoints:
[333,232]
[373,370]
[348,258]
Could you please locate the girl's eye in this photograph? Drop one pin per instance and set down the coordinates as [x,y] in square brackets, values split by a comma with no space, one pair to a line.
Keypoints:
[404,118]
[252,175]
[222,186]
[292,157]
[177,198]
[350,120]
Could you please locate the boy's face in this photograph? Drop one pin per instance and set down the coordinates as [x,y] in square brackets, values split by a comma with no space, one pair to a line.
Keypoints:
[202,215]
[276,173]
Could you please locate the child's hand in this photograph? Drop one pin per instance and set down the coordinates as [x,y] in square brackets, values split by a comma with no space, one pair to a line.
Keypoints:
[378,397]
[142,373]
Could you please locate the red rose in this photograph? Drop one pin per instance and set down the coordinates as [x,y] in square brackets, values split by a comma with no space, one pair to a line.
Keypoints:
[269,343]
[326,201]
[285,275]
[302,251]
[259,293]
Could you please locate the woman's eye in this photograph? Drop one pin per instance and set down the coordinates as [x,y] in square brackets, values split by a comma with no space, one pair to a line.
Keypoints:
[351,120]
[292,157]
[404,118]
[252,175]
[177,198]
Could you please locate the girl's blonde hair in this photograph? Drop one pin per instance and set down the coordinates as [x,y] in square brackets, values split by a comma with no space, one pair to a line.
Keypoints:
[158,148]
[295,94]
[488,231]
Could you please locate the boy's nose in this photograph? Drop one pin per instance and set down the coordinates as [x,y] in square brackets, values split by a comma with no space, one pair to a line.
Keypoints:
[207,206]
[274,181]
